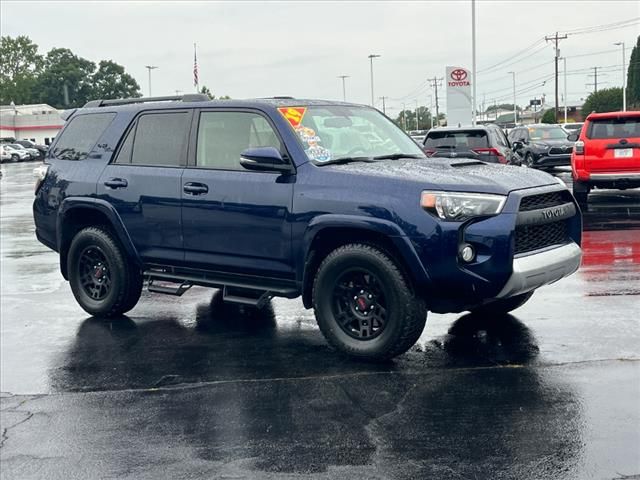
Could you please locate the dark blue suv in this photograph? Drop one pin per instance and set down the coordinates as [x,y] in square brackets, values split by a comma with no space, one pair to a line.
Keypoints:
[283,197]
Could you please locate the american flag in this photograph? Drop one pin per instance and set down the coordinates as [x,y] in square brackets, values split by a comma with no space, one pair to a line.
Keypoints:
[195,67]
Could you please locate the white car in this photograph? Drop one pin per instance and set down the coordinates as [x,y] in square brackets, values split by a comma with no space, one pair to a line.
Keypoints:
[4,154]
[32,152]
[17,154]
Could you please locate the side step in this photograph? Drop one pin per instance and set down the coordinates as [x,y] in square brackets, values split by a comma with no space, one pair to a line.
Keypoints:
[245,296]
[177,291]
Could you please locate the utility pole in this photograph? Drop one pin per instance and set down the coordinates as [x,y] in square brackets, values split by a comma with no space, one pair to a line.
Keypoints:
[344,90]
[371,57]
[150,67]
[404,117]
[417,121]
[473,63]
[431,110]
[515,111]
[555,39]
[624,78]
[595,79]
[384,106]
[434,84]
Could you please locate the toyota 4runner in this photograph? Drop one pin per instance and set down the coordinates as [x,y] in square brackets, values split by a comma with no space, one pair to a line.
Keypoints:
[283,197]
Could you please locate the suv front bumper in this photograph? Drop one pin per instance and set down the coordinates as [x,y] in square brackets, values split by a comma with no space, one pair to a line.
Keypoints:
[538,269]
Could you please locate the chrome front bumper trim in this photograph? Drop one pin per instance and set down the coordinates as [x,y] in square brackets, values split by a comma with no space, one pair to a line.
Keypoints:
[615,176]
[538,269]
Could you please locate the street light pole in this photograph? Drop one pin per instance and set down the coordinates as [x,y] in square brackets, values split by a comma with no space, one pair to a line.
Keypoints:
[515,109]
[473,61]
[150,67]
[564,88]
[624,78]
[344,90]
[371,57]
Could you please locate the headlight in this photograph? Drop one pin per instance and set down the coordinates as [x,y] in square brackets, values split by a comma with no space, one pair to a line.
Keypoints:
[540,146]
[458,207]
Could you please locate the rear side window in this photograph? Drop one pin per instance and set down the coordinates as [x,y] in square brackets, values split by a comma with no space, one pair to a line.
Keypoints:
[614,128]
[459,139]
[222,136]
[160,139]
[80,136]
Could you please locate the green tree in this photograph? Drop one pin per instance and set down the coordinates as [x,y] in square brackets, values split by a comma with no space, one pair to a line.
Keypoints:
[606,100]
[633,77]
[111,81]
[19,67]
[407,118]
[66,77]
[206,91]
[549,116]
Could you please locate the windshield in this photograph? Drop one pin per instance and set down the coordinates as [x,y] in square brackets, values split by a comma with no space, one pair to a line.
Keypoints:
[335,132]
[547,133]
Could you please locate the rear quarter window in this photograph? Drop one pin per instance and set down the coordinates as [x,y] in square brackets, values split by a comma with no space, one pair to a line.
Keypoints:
[80,136]
[614,128]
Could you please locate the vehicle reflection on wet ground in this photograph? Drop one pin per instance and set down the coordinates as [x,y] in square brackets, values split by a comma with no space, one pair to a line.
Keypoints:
[193,387]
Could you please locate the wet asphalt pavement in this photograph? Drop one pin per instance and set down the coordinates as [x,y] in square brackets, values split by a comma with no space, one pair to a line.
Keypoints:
[193,388]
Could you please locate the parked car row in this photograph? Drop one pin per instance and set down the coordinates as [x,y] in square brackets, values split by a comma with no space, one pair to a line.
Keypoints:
[603,152]
[22,150]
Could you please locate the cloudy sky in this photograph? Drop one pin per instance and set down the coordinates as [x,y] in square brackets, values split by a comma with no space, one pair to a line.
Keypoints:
[251,49]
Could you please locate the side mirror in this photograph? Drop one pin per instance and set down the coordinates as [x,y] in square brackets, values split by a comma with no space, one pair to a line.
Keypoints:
[517,145]
[264,159]
[572,137]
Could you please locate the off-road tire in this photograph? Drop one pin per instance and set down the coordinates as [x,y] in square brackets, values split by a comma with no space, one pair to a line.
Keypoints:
[124,276]
[406,313]
[505,305]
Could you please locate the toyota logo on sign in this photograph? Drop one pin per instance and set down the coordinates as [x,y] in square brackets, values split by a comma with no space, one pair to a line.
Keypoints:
[459,74]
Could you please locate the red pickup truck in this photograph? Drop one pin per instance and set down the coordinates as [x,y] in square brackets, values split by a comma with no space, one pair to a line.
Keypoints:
[606,153]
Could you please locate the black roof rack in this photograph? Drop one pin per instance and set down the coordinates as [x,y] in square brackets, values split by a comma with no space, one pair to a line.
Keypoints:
[190,97]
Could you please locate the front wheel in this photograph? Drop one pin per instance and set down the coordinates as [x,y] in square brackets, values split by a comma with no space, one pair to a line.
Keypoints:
[505,305]
[15,158]
[528,160]
[102,279]
[364,305]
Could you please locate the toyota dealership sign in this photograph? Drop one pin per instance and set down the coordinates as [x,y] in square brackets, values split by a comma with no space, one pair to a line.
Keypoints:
[458,82]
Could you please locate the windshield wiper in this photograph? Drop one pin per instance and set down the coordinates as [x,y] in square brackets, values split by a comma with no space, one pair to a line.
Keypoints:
[397,156]
[338,161]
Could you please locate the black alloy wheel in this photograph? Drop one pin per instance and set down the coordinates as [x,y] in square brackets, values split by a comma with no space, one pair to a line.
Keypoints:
[95,276]
[359,304]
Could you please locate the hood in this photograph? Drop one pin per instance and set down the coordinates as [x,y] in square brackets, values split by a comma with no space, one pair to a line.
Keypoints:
[554,143]
[462,175]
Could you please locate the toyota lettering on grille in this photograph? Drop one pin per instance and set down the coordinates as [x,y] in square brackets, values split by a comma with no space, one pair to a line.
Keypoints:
[554,212]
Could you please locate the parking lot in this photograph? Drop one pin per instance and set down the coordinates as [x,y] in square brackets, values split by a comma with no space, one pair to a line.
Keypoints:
[191,387]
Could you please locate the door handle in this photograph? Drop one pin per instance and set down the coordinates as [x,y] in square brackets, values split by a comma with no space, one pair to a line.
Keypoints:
[116,183]
[193,188]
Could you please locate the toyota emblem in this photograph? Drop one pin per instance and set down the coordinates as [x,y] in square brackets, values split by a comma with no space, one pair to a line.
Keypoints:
[459,74]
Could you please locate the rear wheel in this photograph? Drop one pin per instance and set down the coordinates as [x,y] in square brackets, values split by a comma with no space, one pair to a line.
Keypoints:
[504,305]
[15,157]
[102,279]
[364,306]
[581,192]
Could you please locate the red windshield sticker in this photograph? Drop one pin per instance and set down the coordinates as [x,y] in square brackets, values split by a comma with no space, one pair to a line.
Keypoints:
[293,114]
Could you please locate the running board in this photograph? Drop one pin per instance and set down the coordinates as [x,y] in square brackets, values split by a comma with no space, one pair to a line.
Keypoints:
[243,296]
[177,291]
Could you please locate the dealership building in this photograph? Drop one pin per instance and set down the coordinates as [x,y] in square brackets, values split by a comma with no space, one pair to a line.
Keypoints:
[39,123]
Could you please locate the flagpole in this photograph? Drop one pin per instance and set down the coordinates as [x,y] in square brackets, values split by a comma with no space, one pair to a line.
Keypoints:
[195,69]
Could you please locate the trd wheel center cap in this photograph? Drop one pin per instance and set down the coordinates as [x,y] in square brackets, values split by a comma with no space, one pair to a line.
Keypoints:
[363,303]
[98,273]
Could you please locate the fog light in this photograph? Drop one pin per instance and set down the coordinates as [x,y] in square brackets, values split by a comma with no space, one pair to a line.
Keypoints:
[467,253]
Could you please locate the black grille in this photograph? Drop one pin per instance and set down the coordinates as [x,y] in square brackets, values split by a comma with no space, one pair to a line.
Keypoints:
[533,237]
[560,151]
[543,200]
